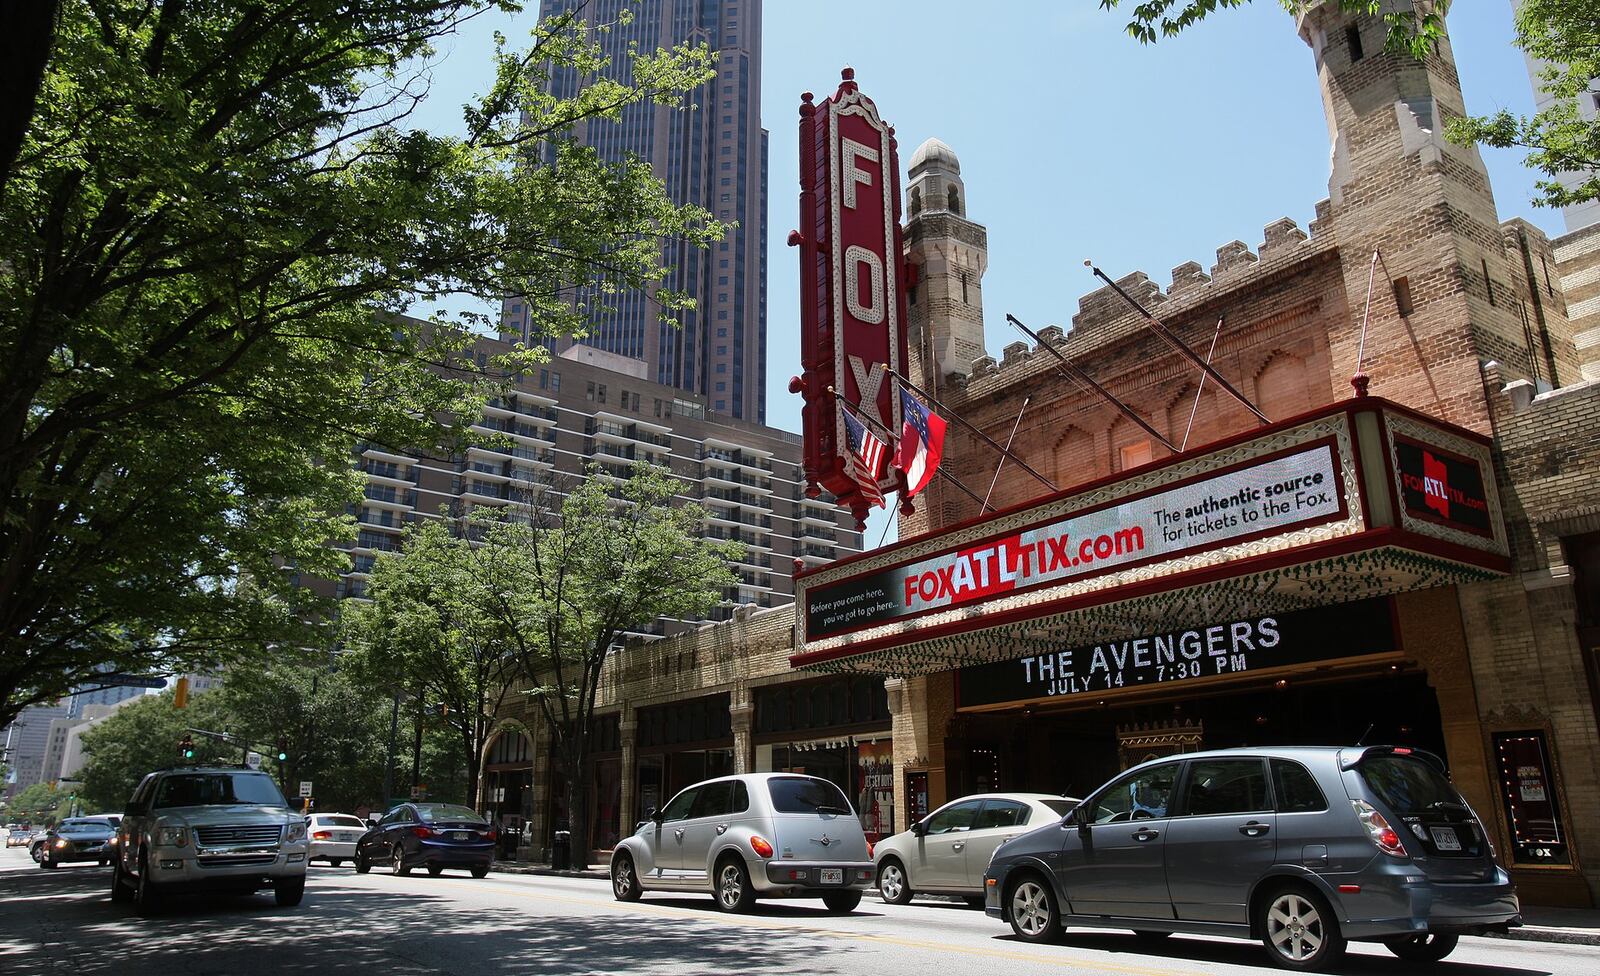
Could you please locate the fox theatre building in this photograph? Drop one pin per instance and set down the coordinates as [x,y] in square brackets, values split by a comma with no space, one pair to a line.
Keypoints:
[1319,568]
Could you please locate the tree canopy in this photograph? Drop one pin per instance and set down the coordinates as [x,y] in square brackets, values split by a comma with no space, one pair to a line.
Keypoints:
[1414,28]
[211,216]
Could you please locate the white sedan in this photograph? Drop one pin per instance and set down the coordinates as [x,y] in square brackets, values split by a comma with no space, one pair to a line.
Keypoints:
[333,837]
[947,852]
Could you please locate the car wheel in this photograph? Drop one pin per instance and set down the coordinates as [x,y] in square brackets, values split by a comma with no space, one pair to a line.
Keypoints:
[121,889]
[893,885]
[400,861]
[480,871]
[362,865]
[1423,948]
[842,902]
[1298,930]
[734,891]
[145,895]
[287,892]
[1034,917]
[624,884]
[435,870]
[105,864]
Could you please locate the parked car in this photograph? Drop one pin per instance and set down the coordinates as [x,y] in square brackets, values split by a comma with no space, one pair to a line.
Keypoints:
[333,836]
[208,828]
[76,840]
[18,837]
[430,835]
[1303,848]
[946,852]
[739,838]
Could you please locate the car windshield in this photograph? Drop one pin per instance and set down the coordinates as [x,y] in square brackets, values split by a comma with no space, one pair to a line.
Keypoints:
[340,822]
[218,789]
[797,794]
[1408,786]
[83,827]
[1060,807]
[436,812]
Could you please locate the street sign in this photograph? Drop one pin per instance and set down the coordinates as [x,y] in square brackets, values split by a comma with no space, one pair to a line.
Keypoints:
[128,681]
[305,787]
[253,760]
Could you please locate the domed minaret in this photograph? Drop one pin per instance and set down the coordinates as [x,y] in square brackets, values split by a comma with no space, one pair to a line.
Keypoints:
[948,255]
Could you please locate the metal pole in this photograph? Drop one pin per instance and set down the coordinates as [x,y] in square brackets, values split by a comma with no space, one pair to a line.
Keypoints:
[993,481]
[1201,388]
[939,473]
[960,420]
[1178,344]
[1073,372]
[388,761]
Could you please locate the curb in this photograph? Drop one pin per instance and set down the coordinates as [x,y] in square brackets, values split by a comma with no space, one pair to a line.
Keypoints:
[512,867]
[1541,933]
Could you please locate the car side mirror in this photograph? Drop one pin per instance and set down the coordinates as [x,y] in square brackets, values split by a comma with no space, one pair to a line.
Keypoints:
[653,815]
[920,828]
[1080,817]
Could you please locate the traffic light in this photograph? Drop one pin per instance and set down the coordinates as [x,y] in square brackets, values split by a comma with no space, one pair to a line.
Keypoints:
[180,693]
[186,747]
[283,748]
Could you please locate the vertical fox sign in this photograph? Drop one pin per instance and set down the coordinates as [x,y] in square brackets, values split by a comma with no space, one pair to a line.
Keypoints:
[852,299]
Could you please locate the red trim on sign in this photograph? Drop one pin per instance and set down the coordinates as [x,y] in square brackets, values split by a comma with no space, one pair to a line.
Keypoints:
[1330,443]
[1365,541]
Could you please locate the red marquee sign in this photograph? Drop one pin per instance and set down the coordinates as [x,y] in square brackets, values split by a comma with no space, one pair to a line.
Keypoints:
[852,299]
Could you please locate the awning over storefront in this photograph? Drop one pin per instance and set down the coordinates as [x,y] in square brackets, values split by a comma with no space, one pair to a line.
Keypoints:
[1359,499]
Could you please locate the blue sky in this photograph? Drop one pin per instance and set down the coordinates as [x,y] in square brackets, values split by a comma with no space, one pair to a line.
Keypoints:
[1075,141]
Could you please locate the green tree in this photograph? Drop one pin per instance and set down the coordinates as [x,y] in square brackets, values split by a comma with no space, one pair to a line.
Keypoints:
[428,633]
[1565,34]
[38,804]
[212,212]
[1416,28]
[616,557]
[334,728]
[143,736]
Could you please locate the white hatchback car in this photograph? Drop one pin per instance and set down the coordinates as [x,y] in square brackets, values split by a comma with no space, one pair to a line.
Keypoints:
[767,835]
[333,837]
[947,852]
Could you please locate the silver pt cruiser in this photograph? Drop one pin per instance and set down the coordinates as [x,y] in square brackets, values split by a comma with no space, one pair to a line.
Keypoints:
[766,835]
[1303,848]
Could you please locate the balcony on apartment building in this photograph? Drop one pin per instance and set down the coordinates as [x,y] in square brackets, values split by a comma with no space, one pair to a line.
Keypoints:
[736,497]
[377,494]
[726,453]
[539,409]
[652,439]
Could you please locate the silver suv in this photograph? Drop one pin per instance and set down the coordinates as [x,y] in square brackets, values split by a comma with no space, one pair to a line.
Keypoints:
[1303,848]
[208,828]
[767,835]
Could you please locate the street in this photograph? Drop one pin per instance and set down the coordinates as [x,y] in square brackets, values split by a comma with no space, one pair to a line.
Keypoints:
[62,922]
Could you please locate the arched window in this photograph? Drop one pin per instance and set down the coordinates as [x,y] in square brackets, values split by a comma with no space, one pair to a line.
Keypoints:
[955,201]
[916,200]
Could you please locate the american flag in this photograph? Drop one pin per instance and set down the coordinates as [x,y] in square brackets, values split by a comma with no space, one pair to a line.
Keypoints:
[866,456]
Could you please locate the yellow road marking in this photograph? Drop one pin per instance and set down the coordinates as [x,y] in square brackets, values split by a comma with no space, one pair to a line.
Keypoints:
[646,908]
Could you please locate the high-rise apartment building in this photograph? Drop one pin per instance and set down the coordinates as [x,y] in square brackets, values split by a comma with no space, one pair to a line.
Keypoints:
[24,743]
[588,406]
[712,154]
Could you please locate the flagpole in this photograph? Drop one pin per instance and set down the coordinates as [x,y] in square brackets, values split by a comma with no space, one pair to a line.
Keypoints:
[1075,373]
[893,511]
[937,471]
[1178,344]
[1202,387]
[992,481]
[963,422]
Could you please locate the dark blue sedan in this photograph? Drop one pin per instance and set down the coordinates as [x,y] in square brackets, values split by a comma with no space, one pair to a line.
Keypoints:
[428,835]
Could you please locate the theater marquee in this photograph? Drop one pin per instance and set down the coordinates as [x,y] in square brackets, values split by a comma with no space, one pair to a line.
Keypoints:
[1335,506]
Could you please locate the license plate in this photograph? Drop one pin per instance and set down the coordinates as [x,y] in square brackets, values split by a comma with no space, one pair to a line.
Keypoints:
[460,834]
[347,838]
[832,875]
[1445,839]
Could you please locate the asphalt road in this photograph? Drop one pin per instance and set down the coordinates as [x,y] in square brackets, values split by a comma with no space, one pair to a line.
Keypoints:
[61,921]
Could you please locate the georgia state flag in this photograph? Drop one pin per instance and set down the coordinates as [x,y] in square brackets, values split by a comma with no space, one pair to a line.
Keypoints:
[921,443]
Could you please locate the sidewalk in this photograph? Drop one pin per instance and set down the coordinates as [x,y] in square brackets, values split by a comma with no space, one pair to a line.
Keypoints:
[528,867]
[1574,926]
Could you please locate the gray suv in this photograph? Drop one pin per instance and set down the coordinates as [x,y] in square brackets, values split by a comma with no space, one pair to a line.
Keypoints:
[208,828]
[768,835]
[1303,848]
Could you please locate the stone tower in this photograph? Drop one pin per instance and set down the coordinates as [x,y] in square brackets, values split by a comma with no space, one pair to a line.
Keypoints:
[948,255]
[1399,186]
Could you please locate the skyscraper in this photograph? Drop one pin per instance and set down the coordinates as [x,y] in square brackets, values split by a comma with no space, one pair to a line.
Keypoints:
[715,156]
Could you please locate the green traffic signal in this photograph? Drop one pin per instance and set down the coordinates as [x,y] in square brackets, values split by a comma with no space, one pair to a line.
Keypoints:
[282,756]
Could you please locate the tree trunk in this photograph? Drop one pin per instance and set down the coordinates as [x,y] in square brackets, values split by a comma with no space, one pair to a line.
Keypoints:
[578,807]
[25,47]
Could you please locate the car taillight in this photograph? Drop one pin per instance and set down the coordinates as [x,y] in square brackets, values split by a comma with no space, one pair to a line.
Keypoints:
[490,834]
[760,846]
[322,835]
[422,831]
[869,848]
[1379,832]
